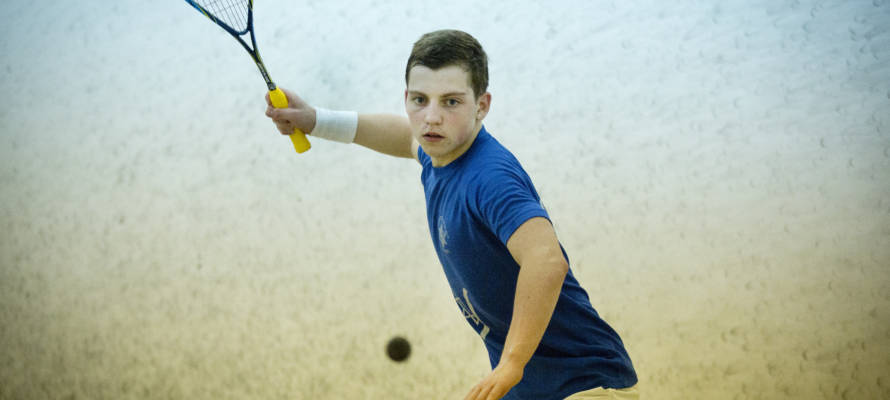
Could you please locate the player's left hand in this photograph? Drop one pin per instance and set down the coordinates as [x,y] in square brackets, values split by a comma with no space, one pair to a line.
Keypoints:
[497,383]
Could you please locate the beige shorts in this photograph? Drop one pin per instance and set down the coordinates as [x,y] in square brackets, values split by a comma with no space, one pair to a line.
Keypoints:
[630,393]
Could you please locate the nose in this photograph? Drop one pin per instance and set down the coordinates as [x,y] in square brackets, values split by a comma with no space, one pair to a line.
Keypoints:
[433,115]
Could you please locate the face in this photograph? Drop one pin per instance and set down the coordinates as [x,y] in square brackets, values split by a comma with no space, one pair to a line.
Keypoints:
[444,114]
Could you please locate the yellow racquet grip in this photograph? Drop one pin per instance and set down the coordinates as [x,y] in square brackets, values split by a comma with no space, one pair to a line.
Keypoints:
[279,100]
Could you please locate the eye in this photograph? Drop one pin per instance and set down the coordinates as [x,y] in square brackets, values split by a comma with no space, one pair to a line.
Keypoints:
[419,100]
[452,102]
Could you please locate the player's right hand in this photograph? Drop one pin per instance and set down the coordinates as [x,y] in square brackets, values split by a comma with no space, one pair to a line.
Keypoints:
[498,382]
[298,114]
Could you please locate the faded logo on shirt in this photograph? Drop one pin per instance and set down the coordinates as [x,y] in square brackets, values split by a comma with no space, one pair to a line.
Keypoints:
[443,234]
[470,313]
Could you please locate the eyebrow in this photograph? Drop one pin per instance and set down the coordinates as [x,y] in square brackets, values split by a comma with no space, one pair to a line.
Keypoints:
[449,94]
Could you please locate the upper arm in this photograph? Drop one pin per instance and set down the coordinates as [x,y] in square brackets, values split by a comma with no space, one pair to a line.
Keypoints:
[535,241]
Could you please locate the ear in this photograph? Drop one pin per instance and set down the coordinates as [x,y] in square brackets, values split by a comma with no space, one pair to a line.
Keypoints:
[483,105]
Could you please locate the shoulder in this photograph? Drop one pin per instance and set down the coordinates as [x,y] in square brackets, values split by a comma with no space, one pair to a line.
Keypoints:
[422,158]
[498,179]
[416,151]
[496,164]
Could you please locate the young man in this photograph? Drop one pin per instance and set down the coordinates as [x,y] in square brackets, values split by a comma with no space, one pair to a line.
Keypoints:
[507,270]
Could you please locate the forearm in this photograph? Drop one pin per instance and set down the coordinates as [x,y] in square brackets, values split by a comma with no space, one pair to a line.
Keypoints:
[537,291]
[386,133]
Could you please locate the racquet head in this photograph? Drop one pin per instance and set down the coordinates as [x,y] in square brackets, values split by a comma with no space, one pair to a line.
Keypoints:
[232,15]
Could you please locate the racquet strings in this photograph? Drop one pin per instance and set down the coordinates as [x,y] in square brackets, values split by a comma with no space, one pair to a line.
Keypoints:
[230,12]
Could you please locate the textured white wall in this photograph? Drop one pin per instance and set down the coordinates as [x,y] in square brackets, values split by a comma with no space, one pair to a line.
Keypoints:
[719,172]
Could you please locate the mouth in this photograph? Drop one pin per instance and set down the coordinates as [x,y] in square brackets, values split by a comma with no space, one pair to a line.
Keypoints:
[433,136]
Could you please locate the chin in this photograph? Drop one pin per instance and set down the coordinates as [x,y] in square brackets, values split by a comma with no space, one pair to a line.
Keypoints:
[433,151]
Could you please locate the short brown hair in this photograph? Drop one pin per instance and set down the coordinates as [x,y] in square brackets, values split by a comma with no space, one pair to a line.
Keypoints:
[449,47]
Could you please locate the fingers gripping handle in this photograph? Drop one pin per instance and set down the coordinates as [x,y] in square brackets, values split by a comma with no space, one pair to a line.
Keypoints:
[279,100]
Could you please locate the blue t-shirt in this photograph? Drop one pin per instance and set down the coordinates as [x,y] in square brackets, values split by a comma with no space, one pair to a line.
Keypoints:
[474,204]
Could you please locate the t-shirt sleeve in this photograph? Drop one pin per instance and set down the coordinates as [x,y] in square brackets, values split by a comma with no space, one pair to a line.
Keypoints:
[505,199]
[421,156]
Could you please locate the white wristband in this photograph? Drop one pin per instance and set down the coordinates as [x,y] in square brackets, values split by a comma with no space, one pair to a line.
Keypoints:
[339,126]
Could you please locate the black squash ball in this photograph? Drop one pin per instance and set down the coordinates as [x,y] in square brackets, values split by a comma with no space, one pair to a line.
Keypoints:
[398,349]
